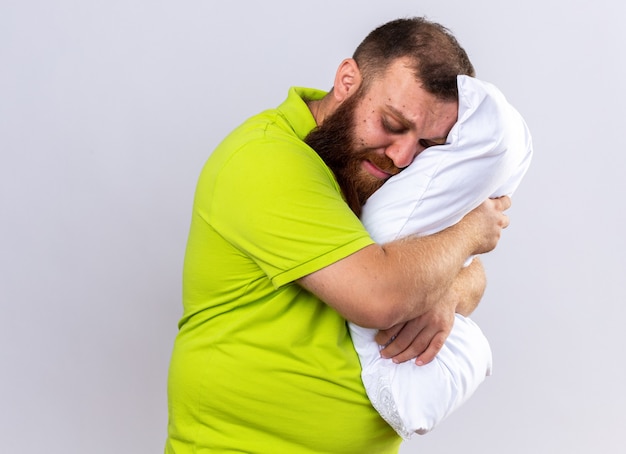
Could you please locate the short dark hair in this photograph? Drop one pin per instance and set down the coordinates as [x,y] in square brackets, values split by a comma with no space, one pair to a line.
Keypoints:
[435,55]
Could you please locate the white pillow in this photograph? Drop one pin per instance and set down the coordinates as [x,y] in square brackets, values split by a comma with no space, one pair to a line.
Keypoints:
[487,153]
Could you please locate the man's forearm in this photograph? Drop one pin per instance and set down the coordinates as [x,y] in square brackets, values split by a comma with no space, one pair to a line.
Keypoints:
[423,337]
[469,287]
[383,285]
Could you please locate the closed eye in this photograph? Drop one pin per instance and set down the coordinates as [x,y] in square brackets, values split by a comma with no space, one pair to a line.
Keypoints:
[431,143]
[393,129]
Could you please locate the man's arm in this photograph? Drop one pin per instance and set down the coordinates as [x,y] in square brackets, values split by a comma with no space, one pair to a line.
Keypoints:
[469,288]
[381,286]
[424,336]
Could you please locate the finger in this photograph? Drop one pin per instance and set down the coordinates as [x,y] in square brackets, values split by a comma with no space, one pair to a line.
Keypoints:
[436,344]
[404,344]
[386,336]
[410,340]
[505,202]
[505,221]
[416,348]
[410,353]
[409,349]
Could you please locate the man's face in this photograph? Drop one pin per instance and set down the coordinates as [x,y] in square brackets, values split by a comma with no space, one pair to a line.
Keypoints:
[374,134]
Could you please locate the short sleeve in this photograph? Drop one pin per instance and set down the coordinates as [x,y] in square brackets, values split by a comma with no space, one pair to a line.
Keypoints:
[277,202]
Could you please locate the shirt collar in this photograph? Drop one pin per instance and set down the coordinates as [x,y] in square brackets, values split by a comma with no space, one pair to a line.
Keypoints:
[297,112]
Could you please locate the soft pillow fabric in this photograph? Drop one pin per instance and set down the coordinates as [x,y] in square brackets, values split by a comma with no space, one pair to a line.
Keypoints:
[487,153]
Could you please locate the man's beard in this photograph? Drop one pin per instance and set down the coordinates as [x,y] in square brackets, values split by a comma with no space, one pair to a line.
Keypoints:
[336,143]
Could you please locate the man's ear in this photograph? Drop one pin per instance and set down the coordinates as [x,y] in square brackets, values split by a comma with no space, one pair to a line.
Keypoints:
[347,80]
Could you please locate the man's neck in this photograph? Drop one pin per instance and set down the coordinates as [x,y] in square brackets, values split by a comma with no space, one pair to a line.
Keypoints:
[321,108]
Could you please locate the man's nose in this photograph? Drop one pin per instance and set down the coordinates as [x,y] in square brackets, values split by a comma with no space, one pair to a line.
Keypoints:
[403,153]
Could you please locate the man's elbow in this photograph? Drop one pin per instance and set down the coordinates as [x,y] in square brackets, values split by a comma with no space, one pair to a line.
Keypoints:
[385,313]
[378,320]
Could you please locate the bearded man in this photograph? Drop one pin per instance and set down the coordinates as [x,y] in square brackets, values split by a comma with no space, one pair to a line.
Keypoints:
[277,259]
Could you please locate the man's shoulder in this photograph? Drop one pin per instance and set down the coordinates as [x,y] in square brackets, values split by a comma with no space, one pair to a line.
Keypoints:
[265,140]
[289,123]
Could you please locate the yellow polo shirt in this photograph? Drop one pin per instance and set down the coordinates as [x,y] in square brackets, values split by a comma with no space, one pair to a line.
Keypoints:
[261,365]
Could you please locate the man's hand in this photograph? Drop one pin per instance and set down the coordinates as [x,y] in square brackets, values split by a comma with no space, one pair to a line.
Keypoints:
[420,338]
[424,336]
[485,223]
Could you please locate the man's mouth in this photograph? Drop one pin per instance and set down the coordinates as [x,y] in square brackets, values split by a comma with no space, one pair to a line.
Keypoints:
[376,171]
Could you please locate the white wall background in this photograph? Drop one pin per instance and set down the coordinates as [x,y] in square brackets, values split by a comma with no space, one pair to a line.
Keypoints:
[108,109]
